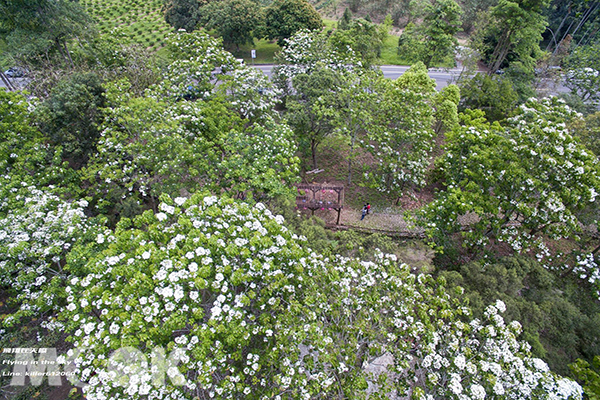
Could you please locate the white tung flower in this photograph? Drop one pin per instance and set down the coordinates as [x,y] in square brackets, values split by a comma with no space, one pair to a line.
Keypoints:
[161,216]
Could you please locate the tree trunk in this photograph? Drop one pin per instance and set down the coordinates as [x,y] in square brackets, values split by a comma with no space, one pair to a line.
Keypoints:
[559,28]
[68,55]
[7,81]
[585,17]
[350,160]
[500,52]
[313,149]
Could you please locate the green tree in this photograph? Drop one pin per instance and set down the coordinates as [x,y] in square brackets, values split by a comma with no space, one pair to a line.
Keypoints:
[401,135]
[70,117]
[513,34]
[236,21]
[582,74]
[588,131]
[440,25]
[523,184]
[360,100]
[433,42]
[34,30]
[313,110]
[493,95]
[182,14]
[446,108]
[364,37]
[20,143]
[410,45]
[344,22]
[587,374]
[26,160]
[283,18]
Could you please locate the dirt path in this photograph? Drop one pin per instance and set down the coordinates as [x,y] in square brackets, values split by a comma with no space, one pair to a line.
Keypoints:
[383,221]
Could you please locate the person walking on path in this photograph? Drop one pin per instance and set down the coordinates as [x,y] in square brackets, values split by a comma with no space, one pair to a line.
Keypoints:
[363,212]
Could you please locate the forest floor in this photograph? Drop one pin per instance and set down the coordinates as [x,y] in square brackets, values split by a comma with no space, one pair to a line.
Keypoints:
[389,214]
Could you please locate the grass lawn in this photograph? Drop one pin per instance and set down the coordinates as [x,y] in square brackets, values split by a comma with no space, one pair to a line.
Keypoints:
[389,52]
[265,51]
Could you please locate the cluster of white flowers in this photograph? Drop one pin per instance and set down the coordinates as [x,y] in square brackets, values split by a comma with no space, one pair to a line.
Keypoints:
[485,359]
[306,50]
[36,234]
[523,184]
[207,269]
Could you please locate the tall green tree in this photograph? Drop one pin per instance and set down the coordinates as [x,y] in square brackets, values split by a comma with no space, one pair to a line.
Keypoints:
[362,36]
[401,135]
[345,20]
[440,25]
[494,95]
[513,33]
[71,116]
[35,30]
[283,18]
[182,14]
[313,110]
[361,95]
[236,21]
[434,42]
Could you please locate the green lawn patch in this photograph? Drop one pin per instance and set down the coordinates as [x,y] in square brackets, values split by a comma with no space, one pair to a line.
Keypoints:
[265,52]
[389,52]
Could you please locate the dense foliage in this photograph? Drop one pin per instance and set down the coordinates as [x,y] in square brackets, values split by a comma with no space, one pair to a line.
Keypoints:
[138,196]
[283,18]
[522,184]
[208,279]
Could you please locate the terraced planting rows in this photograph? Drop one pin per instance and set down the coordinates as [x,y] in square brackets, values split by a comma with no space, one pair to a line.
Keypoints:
[142,21]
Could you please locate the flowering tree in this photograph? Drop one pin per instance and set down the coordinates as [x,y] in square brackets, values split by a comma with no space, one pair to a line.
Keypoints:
[306,51]
[204,70]
[207,280]
[484,359]
[224,301]
[583,73]
[37,232]
[401,137]
[151,147]
[522,184]
[210,123]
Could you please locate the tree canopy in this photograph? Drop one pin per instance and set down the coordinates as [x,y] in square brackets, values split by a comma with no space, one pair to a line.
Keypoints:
[522,184]
[283,18]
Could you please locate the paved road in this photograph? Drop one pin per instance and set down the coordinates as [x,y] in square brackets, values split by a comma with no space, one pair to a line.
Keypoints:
[442,77]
